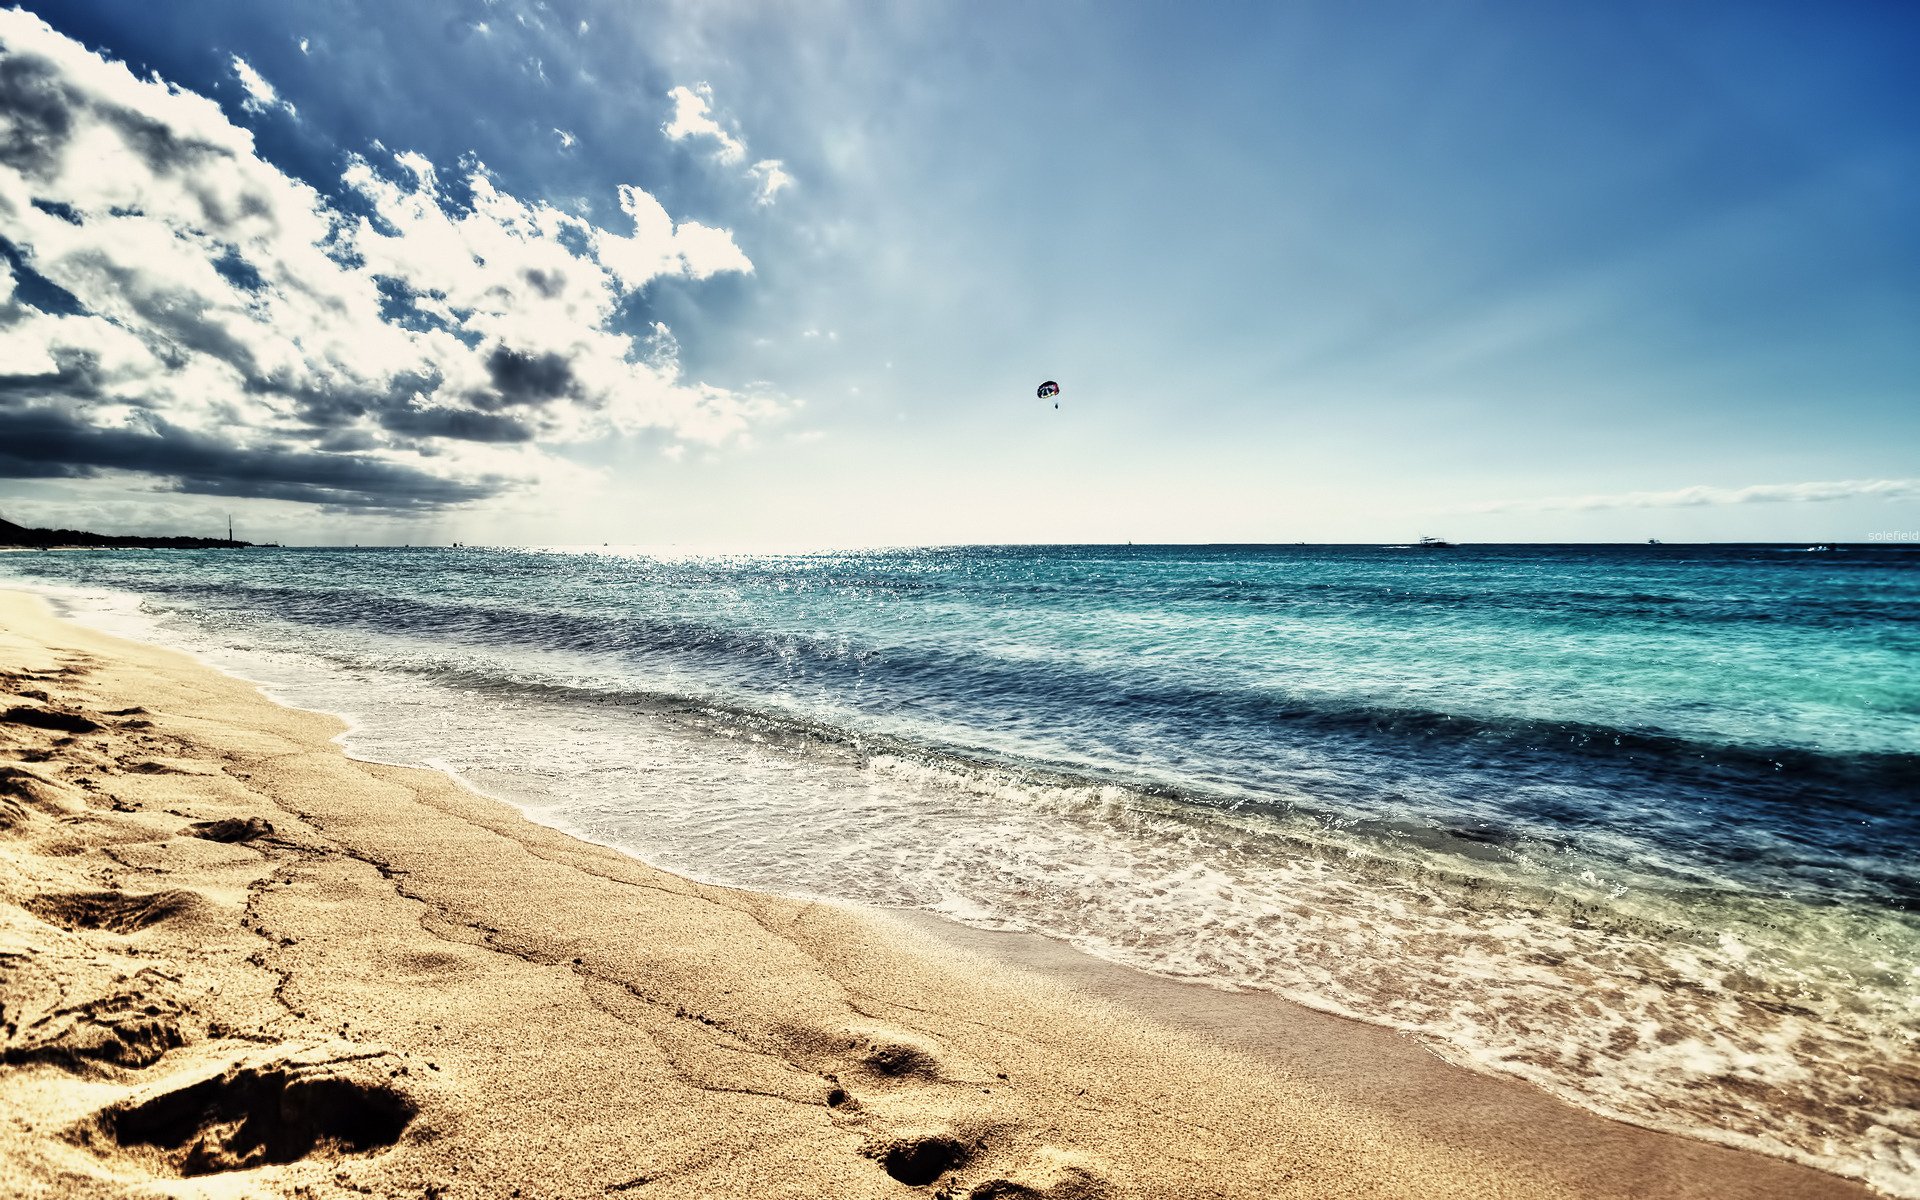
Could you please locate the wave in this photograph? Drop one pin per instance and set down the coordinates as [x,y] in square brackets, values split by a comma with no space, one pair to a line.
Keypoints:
[1783,812]
[500,625]
[1847,800]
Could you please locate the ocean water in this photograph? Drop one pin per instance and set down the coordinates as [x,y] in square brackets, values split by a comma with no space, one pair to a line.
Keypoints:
[1638,824]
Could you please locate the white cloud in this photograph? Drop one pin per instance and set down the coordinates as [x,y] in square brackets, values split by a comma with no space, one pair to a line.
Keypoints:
[772,177]
[567,140]
[658,247]
[303,46]
[693,118]
[1690,497]
[708,251]
[260,93]
[236,333]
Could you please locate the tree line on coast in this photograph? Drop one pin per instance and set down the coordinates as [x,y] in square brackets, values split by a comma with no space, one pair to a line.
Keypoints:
[14,536]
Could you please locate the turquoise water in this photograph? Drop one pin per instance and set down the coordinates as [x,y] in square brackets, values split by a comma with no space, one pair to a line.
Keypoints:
[1640,824]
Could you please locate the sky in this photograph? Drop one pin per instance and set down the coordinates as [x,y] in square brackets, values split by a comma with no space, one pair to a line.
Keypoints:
[712,274]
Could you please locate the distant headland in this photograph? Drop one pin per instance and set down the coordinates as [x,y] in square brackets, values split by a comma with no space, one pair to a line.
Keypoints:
[19,536]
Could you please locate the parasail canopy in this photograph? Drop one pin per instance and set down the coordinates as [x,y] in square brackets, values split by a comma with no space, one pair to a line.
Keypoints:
[1049,388]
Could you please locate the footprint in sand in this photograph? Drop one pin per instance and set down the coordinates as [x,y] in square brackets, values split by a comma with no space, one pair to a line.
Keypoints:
[230,829]
[55,719]
[26,798]
[890,1066]
[169,766]
[24,793]
[897,1055]
[132,1027]
[256,1114]
[894,1068]
[924,1123]
[917,1159]
[1049,1174]
[115,912]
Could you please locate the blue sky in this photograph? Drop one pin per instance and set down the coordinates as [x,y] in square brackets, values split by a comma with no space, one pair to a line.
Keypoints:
[1304,272]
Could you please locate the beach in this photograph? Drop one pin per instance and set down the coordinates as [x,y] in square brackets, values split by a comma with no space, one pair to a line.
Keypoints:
[614,599]
[239,962]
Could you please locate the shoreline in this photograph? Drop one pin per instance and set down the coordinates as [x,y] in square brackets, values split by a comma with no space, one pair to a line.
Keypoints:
[1375,1067]
[567,1020]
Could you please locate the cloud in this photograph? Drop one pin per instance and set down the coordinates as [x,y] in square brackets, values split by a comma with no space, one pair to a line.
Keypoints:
[260,93]
[175,306]
[693,118]
[1690,497]
[50,444]
[772,177]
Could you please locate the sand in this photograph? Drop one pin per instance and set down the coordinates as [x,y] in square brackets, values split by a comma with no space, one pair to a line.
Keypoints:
[236,962]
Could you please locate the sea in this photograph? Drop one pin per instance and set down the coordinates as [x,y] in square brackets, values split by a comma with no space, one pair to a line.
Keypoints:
[1638,824]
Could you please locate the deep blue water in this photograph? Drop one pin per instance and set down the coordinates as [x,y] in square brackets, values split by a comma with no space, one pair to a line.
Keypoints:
[1639,823]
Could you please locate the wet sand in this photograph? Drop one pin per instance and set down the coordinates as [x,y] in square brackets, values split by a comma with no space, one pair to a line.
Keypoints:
[234,961]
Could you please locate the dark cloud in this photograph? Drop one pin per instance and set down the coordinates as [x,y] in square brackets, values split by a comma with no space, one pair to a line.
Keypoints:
[437,493]
[183,318]
[45,443]
[347,441]
[458,423]
[332,406]
[39,114]
[549,284]
[522,380]
[76,376]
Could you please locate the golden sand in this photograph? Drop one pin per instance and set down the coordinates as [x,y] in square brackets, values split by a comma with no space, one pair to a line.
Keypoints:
[235,962]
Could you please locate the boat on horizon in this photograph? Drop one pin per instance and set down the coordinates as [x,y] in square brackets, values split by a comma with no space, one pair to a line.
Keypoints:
[1434,543]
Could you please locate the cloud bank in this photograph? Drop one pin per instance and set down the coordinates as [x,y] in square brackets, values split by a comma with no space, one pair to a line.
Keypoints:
[173,305]
[1692,497]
